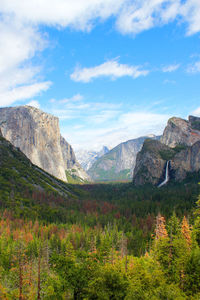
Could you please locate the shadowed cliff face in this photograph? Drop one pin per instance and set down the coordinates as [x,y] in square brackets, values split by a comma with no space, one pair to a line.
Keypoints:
[37,134]
[180,144]
[185,161]
[150,163]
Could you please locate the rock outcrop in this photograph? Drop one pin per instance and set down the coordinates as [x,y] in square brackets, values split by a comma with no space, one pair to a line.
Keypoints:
[37,134]
[180,145]
[118,163]
[179,131]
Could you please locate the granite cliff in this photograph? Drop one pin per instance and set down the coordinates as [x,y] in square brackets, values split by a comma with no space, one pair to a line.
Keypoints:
[179,131]
[180,145]
[37,134]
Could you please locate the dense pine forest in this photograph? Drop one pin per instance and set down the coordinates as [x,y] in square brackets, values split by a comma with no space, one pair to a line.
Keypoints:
[78,261]
[103,241]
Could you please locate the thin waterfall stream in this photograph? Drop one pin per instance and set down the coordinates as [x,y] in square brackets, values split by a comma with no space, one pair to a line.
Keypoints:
[166,175]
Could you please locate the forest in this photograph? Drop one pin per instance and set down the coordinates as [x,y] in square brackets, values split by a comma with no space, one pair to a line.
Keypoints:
[105,241]
[96,241]
[73,261]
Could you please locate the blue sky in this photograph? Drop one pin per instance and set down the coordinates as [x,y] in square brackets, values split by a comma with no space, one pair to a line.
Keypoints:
[110,70]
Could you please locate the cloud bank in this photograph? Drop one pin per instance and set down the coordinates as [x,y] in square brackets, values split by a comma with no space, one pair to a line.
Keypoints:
[21,37]
[132,16]
[111,69]
[104,123]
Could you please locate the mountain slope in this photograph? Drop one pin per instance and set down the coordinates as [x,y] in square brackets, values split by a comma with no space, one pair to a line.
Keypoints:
[37,134]
[118,163]
[17,171]
[28,191]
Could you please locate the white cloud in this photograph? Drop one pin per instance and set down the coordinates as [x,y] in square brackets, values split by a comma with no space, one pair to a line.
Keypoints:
[74,98]
[90,125]
[190,12]
[102,117]
[22,93]
[18,45]
[126,126]
[78,14]
[88,112]
[21,38]
[196,112]
[132,16]
[34,103]
[170,68]
[137,16]
[194,68]
[111,69]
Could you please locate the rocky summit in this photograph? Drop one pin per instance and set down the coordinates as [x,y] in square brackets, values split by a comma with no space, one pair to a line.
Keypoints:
[179,144]
[179,131]
[37,134]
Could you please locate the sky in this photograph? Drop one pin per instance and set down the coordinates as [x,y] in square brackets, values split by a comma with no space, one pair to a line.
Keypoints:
[111,70]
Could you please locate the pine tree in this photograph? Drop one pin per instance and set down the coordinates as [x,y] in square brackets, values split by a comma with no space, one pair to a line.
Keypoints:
[185,230]
[160,231]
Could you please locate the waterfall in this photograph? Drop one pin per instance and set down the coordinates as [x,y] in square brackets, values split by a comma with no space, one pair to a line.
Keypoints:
[166,175]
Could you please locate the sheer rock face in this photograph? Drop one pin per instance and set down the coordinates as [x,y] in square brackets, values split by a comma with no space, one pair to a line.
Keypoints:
[37,134]
[149,163]
[180,144]
[179,131]
[67,153]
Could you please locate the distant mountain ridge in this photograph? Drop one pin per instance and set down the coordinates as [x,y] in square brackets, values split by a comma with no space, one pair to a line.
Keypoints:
[86,158]
[37,134]
[119,162]
[179,144]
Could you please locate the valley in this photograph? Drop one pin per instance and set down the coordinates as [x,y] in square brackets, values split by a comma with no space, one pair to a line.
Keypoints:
[99,150]
[69,239]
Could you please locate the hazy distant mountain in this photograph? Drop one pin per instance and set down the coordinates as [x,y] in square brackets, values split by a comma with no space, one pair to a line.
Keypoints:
[86,158]
[118,163]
